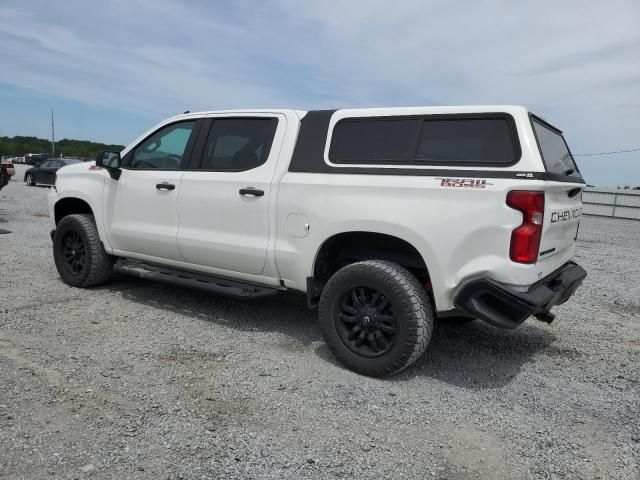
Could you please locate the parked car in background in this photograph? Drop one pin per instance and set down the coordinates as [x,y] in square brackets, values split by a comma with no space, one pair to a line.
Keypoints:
[34,158]
[7,163]
[45,172]
[4,176]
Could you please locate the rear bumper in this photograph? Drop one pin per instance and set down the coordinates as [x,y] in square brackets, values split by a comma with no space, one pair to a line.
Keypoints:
[504,307]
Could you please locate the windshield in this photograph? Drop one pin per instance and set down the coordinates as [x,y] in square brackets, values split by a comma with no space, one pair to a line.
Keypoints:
[554,150]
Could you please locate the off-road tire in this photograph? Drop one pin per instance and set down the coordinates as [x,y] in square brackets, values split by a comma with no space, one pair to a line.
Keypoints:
[412,309]
[98,265]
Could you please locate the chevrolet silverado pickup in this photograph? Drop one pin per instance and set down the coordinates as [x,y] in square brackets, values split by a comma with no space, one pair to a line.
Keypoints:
[386,218]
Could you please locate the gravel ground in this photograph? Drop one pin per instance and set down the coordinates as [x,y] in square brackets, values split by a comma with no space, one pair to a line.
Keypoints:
[141,380]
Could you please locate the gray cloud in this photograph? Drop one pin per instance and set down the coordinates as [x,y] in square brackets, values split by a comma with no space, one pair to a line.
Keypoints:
[576,63]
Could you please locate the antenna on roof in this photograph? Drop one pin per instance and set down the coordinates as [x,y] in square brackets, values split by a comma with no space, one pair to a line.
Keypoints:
[186,112]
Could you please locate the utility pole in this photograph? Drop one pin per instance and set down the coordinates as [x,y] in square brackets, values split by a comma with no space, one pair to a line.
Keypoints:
[53,135]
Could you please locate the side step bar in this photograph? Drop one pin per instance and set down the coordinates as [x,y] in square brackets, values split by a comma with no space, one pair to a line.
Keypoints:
[182,278]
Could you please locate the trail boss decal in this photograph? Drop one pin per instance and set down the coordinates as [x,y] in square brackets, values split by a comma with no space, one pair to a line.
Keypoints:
[566,215]
[463,182]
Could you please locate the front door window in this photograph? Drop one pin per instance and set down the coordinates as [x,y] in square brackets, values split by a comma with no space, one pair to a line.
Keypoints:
[165,149]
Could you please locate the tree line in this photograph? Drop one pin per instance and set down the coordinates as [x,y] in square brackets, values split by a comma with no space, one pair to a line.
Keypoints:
[18,146]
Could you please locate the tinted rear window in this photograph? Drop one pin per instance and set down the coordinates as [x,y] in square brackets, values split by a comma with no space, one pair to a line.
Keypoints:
[555,153]
[452,140]
[466,141]
[237,144]
[374,140]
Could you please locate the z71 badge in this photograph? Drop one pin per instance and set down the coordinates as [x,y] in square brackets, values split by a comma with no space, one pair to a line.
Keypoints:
[463,182]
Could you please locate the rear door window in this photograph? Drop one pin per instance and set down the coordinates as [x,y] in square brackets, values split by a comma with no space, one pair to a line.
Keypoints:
[238,144]
[554,150]
[487,140]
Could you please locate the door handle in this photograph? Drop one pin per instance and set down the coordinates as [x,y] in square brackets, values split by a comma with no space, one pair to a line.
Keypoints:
[165,186]
[250,191]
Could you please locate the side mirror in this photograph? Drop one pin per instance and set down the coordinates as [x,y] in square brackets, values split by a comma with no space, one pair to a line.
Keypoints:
[110,161]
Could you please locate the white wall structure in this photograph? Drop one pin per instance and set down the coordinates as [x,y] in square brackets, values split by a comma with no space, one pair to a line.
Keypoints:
[611,202]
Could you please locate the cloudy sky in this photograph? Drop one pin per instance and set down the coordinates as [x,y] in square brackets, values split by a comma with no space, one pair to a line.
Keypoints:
[111,69]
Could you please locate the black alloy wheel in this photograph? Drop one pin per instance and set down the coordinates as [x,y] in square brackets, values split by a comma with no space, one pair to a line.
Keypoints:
[376,317]
[73,253]
[365,322]
[80,257]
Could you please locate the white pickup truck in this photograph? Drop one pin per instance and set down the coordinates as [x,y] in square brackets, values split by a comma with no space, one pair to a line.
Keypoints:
[386,218]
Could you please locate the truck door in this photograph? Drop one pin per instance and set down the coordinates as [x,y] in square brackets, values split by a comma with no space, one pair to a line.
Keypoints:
[223,206]
[141,207]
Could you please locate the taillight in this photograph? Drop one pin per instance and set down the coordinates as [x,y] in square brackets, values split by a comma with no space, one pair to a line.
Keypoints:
[525,240]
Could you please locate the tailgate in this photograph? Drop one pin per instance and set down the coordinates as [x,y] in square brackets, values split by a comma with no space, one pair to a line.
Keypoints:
[563,195]
[563,208]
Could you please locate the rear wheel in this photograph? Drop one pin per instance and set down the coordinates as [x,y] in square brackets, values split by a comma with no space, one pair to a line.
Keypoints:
[376,317]
[29,180]
[79,254]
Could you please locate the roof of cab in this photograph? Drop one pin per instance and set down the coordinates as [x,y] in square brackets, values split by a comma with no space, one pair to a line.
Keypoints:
[370,111]
[299,113]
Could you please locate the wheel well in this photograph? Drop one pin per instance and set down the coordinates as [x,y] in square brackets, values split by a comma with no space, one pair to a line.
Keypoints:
[345,248]
[69,206]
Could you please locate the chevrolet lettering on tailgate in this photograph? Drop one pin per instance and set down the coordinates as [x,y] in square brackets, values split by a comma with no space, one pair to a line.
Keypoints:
[566,215]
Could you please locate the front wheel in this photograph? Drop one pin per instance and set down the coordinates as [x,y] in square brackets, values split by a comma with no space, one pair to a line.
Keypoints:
[79,254]
[29,180]
[376,317]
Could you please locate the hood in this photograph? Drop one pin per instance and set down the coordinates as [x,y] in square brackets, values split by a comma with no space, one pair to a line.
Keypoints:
[80,178]
[81,167]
